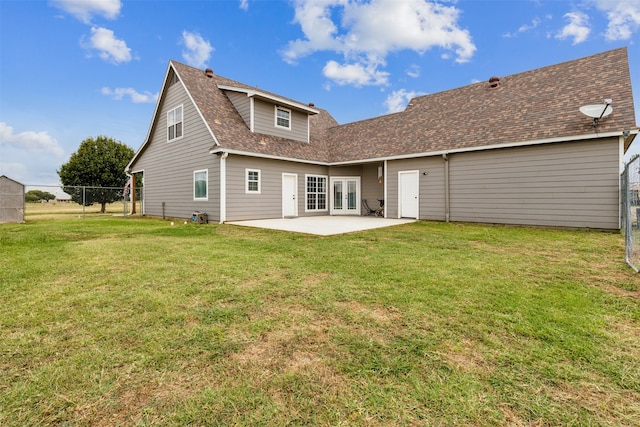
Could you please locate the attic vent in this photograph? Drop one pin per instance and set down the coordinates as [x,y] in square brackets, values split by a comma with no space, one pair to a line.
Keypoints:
[494,81]
[208,72]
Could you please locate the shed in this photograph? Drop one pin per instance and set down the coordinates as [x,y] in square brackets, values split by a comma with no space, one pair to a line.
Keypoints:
[11,200]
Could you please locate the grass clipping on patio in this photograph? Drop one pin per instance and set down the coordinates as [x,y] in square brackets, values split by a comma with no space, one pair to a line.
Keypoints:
[126,321]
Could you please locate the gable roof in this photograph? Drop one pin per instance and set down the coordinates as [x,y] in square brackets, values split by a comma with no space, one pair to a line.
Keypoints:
[532,107]
[6,178]
[231,131]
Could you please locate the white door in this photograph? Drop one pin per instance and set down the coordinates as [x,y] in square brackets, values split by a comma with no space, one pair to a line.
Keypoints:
[345,196]
[289,195]
[408,194]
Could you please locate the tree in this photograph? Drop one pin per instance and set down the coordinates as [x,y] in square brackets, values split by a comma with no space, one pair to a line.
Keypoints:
[37,195]
[98,162]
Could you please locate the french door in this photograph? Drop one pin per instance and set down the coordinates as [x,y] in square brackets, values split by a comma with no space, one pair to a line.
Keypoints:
[345,196]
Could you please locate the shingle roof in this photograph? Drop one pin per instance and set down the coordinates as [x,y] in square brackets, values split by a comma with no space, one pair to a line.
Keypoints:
[535,105]
[231,131]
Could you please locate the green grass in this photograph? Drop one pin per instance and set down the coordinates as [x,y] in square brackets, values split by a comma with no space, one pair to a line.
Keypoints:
[131,321]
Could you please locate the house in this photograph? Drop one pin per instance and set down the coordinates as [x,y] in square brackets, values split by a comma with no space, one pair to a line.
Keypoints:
[510,150]
[11,200]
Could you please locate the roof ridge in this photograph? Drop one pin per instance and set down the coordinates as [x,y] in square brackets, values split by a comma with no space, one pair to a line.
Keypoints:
[534,70]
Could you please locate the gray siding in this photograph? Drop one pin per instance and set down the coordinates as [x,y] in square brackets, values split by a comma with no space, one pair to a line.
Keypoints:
[372,190]
[242,103]
[264,122]
[431,188]
[267,204]
[168,166]
[567,184]
[570,184]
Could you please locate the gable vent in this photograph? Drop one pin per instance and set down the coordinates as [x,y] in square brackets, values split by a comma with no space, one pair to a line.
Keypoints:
[494,81]
[208,72]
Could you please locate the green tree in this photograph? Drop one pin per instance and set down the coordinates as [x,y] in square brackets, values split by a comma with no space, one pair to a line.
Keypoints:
[37,195]
[98,162]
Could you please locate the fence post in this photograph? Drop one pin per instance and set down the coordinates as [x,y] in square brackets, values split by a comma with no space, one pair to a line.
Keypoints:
[630,183]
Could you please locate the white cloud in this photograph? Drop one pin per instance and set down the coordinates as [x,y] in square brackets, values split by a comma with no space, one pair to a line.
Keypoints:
[623,15]
[109,47]
[84,10]
[136,97]
[30,141]
[244,4]
[369,30]
[198,50]
[355,74]
[397,100]
[578,27]
[535,23]
[14,170]
[413,71]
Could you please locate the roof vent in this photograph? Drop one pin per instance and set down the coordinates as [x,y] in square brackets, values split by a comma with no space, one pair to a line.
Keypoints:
[208,72]
[494,81]
[311,104]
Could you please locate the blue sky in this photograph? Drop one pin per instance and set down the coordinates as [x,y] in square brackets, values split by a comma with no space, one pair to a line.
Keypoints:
[73,69]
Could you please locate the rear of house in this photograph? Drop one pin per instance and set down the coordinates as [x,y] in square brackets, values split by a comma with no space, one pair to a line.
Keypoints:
[515,150]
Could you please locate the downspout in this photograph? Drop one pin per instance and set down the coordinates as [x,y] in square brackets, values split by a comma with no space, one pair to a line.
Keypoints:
[223,186]
[447,202]
[384,177]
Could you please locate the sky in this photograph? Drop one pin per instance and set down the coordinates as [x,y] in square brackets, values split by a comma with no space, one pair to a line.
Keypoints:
[76,69]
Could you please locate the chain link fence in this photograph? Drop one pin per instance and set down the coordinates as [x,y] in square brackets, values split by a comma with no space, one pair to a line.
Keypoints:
[630,211]
[80,202]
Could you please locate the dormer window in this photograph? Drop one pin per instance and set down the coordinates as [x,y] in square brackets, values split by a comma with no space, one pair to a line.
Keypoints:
[283,118]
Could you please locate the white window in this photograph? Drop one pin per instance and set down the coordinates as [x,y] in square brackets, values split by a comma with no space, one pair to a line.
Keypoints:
[316,193]
[283,118]
[253,181]
[174,124]
[200,185]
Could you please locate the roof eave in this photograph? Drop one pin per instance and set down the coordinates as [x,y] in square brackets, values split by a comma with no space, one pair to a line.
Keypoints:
[631,136]
[262,95]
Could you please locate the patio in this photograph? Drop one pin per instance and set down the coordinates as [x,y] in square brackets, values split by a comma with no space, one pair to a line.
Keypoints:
[323,225]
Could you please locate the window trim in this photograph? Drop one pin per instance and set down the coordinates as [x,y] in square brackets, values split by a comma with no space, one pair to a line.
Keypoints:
[288,111]
[307,193]
[247,190]
[206,180]
[181,107]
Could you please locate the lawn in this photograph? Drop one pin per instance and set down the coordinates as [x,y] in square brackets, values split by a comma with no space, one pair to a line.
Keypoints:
[132,321]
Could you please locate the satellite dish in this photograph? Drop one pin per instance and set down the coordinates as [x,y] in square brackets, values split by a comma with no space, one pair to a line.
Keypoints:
[596,111]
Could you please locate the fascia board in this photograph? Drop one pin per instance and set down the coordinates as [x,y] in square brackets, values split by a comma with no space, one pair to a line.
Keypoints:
[281,101]
[153,118]
[266,156]
[426,153]
[485,147]
[156,111]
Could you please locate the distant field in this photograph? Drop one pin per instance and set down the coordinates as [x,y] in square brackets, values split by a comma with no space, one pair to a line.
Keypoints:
[59,210]
[113,321]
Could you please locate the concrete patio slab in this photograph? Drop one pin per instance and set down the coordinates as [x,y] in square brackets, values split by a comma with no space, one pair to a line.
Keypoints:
[323,225]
